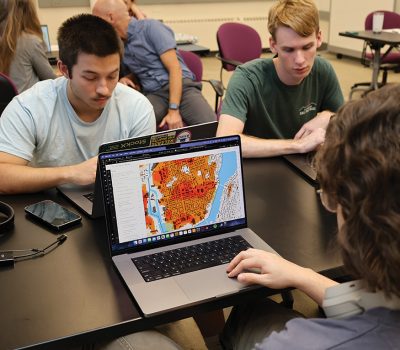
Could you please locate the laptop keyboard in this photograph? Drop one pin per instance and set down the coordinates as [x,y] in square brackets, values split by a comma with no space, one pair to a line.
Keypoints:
[188,259]
[89,196]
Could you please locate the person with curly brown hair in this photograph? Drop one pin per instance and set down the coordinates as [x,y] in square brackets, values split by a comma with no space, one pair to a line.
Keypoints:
[359,173]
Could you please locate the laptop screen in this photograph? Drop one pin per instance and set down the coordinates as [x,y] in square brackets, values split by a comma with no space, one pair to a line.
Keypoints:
[46,37]
[163,194]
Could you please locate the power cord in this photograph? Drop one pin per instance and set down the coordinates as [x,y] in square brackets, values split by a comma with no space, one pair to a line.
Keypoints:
[9,257]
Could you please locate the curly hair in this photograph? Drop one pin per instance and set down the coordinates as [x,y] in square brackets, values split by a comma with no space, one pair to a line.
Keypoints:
[359,169]
[300,15]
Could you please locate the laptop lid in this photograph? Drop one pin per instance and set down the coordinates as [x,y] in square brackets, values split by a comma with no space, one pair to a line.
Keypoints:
[161,195]
[303,165]
[184,134]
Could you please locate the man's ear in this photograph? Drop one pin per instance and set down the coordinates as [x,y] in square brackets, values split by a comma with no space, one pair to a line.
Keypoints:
[110,17]
[319,39]
[63,69]
[272,45]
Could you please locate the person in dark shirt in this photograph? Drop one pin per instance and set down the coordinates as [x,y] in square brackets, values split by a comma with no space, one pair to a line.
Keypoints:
[282,105]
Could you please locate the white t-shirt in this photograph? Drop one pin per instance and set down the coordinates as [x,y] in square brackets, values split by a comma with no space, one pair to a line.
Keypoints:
[41,126]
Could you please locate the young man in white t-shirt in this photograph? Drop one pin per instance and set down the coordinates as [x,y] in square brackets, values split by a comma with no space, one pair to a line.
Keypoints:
[50,134]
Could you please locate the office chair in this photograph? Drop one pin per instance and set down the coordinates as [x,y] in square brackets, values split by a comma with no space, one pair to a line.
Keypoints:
[237,44]
[390,59]
[194,63]
[7,91]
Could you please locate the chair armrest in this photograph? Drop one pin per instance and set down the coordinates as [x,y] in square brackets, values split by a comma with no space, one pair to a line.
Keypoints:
[228,61]
[364,60]
[217,86]
[390,48]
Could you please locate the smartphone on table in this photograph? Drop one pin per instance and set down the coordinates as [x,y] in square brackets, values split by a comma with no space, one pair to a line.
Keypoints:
[53,215]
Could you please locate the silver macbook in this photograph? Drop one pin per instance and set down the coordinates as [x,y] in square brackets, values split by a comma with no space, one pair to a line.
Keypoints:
[90,199]
[175,217]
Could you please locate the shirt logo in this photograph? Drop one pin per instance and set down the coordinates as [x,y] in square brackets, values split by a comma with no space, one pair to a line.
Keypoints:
[307,109]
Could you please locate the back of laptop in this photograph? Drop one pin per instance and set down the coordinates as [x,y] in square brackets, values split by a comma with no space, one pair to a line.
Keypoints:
[90,198]
[303,164]
[166,137]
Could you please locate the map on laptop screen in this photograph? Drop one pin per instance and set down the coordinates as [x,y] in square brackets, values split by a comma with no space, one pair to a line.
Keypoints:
[184,193]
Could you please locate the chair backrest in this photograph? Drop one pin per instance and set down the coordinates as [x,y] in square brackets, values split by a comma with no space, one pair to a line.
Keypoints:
[390,20]
[7,91]
[193,62]
[238,42]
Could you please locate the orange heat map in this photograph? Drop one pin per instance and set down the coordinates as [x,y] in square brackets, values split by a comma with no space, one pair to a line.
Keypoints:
[187,187]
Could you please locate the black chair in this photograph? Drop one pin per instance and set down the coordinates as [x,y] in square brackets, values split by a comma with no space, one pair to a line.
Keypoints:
[7,91]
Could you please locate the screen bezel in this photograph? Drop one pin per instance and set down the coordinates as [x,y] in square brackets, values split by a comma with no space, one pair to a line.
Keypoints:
[186,148]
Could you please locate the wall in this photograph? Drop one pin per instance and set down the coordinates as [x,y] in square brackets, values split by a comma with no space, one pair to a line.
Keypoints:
[201,20]
[350,16]
[53,17]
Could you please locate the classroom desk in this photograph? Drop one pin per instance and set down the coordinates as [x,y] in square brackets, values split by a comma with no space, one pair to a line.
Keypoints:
[377,41]
[197,49]
[74,296]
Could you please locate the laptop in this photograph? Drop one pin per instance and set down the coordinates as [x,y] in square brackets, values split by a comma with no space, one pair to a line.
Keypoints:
[303,164]
[183,39]
[51,56]
[164,205]
[89,198]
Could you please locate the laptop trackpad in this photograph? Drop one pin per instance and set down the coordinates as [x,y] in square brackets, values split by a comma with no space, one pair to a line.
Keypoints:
[208,283]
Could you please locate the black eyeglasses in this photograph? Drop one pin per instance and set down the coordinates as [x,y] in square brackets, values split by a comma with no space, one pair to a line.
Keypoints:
[325,201]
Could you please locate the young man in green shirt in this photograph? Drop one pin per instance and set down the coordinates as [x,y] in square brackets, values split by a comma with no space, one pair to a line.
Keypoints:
[283,105]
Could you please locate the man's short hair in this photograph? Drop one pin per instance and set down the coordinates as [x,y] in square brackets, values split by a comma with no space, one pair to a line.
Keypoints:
[87,34]
[359,169]
[302,16]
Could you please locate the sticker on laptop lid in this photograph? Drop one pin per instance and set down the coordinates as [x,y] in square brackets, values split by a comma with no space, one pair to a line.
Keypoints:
[170,137]
[183,136]
[162,139]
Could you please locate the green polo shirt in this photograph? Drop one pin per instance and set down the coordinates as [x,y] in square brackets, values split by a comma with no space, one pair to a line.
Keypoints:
[269,108]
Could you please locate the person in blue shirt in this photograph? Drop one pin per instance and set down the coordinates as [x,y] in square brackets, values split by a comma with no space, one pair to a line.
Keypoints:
[151,57]
[359,173]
